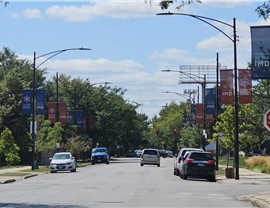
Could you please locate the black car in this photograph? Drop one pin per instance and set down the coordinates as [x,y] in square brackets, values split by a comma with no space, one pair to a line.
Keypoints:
[199,165]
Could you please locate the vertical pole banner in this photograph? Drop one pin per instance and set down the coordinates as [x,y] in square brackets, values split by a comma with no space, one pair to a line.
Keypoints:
[27,102]
[52,111]
[245,86]
[62,112]
[210,94]
[199,113]
[226,86]
[260,52]
[40,101]
[210,104]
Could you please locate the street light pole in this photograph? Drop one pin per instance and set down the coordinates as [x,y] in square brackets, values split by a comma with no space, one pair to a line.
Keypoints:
[234,39]
[203,85]
[33,125]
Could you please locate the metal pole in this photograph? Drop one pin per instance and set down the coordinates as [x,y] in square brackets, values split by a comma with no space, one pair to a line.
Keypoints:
[204,116]
[57,98]
[217,110]
[33,133]
[236,145]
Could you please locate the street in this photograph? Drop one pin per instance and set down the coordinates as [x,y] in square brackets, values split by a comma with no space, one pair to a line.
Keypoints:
[123,183]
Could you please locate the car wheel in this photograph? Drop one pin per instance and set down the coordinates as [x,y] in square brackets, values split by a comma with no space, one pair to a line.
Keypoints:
[184,176]
[93,163]
[180,174]
[211,179]
[177,172]
[158,165]
[141,164]
[53,171]
[107,162]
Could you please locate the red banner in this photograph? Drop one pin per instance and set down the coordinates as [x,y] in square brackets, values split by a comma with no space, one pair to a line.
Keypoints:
[199,113]
[52,111]
[245,86]
[226,86]
[62,112]
[62,106]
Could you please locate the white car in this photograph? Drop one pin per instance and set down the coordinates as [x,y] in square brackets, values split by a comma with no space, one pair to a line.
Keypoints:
[178,162]
[62,161]
[150,157]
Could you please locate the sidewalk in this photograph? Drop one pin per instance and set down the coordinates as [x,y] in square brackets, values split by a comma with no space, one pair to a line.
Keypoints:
[246,176]
[10,179]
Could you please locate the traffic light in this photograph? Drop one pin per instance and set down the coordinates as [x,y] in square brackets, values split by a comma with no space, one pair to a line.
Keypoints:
[174,130]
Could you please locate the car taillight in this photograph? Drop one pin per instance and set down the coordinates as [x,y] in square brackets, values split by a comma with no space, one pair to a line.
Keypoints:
[189,160]
[211,162]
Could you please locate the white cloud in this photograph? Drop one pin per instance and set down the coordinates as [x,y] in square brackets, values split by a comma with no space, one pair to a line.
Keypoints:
[226,4]
[32,13]
[114,9]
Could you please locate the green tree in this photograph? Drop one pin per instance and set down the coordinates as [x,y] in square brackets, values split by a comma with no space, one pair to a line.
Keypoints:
[9,148]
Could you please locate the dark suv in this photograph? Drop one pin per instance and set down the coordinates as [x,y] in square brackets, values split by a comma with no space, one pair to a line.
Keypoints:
[99,155]
[198,165]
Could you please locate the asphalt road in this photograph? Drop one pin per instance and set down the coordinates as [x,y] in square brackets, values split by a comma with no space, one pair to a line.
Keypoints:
[123,183]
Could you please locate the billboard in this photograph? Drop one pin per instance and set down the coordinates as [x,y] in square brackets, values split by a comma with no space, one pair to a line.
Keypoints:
[260,52]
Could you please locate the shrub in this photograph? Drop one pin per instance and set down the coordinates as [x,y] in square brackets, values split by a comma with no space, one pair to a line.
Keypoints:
[261,163]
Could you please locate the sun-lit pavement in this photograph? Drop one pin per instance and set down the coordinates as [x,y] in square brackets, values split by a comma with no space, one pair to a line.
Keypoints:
[261,200]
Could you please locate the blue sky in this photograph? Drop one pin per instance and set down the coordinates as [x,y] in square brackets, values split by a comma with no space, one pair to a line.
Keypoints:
[130,43]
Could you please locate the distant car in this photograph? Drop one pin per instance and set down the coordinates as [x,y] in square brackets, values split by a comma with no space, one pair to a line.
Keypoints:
[198,165]
[177,164]
[62,161]
[150,157]
[163,153]
[138,153]
[100,155]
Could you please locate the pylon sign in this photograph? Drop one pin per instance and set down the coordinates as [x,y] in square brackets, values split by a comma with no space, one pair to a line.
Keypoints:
[266,120]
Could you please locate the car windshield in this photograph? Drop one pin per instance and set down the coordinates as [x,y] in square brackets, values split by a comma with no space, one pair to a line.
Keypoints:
[61,156]
[150,152]
[99,150]
[201,156]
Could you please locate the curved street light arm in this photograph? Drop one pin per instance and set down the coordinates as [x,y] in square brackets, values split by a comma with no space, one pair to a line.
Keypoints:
[55,53]
[202,18]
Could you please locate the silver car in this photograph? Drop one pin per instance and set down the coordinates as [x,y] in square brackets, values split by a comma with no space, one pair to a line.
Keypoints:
[150,157]
[179,159]
[62,161]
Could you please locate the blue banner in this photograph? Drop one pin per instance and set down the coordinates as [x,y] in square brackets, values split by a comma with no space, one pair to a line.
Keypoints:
[27,102]
[210,101]
[260,50]
[75,117]
[40,101]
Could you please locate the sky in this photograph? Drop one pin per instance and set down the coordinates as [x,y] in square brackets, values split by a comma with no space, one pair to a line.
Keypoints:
[130,45]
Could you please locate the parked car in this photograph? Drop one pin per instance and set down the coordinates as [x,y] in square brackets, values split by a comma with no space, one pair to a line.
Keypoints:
[138,153]
[100,155]
[62,161]
[163,153]
[177,164]
[150,157]
[198,165]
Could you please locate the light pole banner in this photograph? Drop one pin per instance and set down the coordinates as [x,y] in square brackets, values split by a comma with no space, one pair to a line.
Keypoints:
[245,86]
[226,86]
[260,52]
[62,106]
[52,111]
[27,102]
[40,101]
[199,113]
[210,97]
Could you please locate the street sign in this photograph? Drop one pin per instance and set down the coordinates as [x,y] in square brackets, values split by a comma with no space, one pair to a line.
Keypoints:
[266,120]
